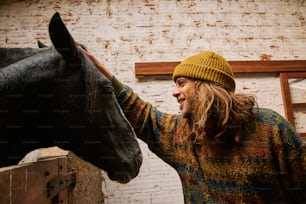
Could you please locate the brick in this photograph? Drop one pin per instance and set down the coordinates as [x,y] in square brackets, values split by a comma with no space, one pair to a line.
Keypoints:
[121,33]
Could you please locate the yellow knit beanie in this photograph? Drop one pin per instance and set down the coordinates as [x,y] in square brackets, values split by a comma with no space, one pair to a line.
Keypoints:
[208,66]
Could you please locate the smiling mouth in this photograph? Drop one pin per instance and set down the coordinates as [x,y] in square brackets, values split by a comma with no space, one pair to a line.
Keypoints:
[180,102]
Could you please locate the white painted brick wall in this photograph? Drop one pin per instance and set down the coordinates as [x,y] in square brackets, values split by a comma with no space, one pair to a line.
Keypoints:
[121,33]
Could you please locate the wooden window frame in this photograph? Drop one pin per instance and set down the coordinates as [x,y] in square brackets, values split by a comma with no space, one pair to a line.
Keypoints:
[286,93]
[285,68]
[143,69]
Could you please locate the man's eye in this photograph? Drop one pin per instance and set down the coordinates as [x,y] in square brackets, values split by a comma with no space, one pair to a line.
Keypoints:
[182,83]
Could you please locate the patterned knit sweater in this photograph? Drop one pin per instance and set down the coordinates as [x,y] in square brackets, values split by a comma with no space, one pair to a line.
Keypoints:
[268,165]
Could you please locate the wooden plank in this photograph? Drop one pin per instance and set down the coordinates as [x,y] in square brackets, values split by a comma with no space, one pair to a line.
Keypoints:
[38,177]
[299,105]
[28,183]
[154,68]
[296,75]
[268,66]
[5,186]
[143,69]
[288,108]
[62,171]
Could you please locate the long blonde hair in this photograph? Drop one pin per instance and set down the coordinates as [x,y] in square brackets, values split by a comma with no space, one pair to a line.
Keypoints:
[228,111]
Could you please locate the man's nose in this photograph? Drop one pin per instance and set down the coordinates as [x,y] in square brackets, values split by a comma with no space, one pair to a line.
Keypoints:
[176,92]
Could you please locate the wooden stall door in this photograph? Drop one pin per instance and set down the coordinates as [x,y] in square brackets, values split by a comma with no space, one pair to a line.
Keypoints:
[65,179]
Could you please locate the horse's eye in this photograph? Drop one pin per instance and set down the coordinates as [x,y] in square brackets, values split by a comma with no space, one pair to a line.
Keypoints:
[106,88]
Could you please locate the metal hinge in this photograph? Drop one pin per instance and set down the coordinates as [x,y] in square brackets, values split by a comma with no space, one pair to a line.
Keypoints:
[55,186]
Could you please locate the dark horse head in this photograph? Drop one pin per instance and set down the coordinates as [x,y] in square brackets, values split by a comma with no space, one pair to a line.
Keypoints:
[55,96]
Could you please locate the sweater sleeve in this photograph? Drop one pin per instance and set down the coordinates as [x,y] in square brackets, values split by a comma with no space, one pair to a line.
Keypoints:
[291,152]
[150,125]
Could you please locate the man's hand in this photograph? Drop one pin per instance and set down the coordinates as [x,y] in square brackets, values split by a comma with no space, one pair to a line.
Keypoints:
[91,56]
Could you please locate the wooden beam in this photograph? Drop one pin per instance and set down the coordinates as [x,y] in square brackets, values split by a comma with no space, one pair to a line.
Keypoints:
[143,69]
[299,105]
[287,98]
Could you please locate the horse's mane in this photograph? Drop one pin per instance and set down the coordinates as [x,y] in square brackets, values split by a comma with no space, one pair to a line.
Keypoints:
[96,85]
[90,84]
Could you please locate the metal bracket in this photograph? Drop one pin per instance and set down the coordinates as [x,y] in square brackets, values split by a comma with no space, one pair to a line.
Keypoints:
[58,184]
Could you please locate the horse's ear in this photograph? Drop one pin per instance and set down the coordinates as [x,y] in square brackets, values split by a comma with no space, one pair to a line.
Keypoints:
[61,38]
[40,44]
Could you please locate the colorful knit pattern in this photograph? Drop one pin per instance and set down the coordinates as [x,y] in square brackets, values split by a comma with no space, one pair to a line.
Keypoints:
[268,165]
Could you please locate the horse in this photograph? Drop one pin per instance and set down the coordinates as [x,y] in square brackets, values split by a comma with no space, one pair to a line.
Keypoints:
[55,96]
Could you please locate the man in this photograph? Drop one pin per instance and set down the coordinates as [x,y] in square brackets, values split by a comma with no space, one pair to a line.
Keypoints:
[224,148]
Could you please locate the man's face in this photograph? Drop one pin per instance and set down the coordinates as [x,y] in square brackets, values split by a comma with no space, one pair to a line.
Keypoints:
[184,92]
